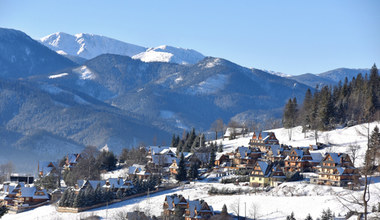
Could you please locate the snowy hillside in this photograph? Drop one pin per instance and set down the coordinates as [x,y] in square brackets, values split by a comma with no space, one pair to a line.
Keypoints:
[339,139]
[298,197]
[170,55]
[88,45]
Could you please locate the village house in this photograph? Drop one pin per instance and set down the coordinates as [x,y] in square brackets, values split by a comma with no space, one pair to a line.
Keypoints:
[138,171]
[193,210]
[231,133]
[260,175]
[198,209]
[298,160]
[262,140]
[171,203]
[45,168]
[245,157]
[71,161]
[337,169]
[20,194]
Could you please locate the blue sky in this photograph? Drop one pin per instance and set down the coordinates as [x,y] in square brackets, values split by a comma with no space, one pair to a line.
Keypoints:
[292,37]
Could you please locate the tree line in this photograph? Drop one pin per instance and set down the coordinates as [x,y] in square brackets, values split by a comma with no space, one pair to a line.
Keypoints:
[89,196]
[348,103]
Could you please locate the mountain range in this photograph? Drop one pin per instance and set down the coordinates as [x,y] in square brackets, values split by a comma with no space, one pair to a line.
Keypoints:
[88,46]
[94,90]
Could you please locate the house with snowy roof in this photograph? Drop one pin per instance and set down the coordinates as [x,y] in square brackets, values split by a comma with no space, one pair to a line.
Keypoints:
[337,169]
[171,203]
[261,174]
[198,209]
[262,140]
[20,194]
[71,160]
[233,132]
[45,168]
[245,157]
[30,195]
[298,160]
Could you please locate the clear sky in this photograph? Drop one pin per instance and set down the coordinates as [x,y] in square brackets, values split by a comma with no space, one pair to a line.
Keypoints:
[292,37]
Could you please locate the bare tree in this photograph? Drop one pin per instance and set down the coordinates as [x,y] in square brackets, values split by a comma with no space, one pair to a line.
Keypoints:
[354,151]
[217,126]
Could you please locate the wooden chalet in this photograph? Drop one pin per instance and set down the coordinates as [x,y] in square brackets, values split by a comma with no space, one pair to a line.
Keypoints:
[46,168]
[298,160]
[245,157]
[71,160]
[337,169]
[171,203]
[262,140]
[260,175]
[198,209]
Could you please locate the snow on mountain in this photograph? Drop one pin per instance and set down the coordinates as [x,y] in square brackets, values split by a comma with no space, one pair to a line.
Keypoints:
[88,45]
[210,86]
[170,54]
[276,73]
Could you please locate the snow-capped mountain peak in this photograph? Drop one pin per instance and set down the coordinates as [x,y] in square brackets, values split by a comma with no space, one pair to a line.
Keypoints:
[88,46]
[165,53]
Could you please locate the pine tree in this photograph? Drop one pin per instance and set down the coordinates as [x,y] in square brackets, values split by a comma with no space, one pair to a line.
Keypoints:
[89,196]
[63,201]
[290,116]
[308,217]
[224,210]
[119,193]
[291,217]
[99,198]
[306,111]
[79,200]
[193,172]
[3,210]
[212,158]
[172,143]
[181,176]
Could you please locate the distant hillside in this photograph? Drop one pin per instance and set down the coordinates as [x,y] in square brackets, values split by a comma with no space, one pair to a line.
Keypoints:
[167,93]
[331,77]
[21,56]
[46,121]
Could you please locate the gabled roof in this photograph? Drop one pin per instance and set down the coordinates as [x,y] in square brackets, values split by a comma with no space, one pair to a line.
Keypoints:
[264,166]
[46,167]
[73,158]
[317,157]
[244,152]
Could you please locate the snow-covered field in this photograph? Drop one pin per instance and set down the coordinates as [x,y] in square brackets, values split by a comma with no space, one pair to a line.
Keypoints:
[298,197]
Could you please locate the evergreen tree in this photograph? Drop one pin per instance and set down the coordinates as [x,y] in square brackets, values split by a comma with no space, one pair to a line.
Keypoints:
[63,201]
[79,200]
[179,213]
[99,198]
[3,210]
[89,196]
[193,171]
[308,217]
[106,160]
[224,210]
[306,111]
[181,176]
[290,217]
[212,158]
[327,215]
[119,193]
[290,116]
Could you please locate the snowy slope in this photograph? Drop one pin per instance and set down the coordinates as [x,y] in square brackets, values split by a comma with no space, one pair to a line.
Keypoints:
[170,55]
[339,139]
[88,45]
[298,197]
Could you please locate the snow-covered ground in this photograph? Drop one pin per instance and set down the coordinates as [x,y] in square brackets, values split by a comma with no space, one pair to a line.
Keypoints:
[298,197]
